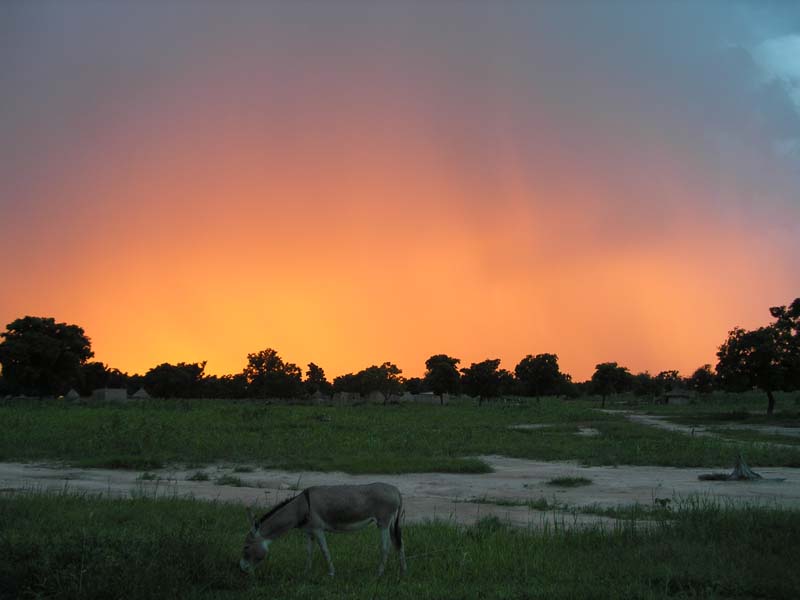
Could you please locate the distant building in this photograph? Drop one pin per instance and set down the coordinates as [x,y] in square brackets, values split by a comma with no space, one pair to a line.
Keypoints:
[110,395]
[678,396]
[72,395]
[141,394]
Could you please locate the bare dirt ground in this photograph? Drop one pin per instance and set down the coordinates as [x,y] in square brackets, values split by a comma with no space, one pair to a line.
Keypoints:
[435,495]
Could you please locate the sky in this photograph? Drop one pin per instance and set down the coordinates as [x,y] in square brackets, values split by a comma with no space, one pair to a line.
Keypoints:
[358,182]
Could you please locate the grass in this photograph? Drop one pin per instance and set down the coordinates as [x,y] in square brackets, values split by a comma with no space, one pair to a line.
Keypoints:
[147,435]
[569,481]
[148,476]
[540,503]
[199,476]
[89,547]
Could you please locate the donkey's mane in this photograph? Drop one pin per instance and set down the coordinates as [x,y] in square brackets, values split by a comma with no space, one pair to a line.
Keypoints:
[276,508]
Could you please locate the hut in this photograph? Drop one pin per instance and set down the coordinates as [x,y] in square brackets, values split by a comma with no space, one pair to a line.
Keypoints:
[72,395]
[678,396]
[110,395]
[141,394]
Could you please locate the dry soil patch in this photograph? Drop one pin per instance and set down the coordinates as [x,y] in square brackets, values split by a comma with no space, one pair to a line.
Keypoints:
[434,495]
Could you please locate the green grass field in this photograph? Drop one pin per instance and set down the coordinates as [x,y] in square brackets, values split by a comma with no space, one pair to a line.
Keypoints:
[68,546]
[357,439]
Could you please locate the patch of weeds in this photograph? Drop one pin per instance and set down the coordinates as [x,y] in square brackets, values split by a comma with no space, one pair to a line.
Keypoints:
[231,480]
[544,504]
[569,481]
[541,503]
[199,476]
[243,469]
[148,476]
[130,463]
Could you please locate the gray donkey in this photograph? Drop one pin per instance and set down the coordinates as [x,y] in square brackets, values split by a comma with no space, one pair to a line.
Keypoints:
[324,508]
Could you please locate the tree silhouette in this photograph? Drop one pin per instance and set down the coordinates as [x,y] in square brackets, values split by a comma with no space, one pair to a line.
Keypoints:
[787,329]
[484,379]
[540,375]
[385,379]
[442,375]
[42,357]
[183,380]
[610,378]
[268,376]
[316,381]
[702,380]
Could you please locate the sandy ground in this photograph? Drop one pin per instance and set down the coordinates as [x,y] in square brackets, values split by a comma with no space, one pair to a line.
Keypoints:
[436,495]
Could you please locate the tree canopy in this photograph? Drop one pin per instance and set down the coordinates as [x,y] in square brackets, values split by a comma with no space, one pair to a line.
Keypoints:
[484,379]
[442,375]
[767,358]
[42,357]
[540,375]
[610,378]
[268,376]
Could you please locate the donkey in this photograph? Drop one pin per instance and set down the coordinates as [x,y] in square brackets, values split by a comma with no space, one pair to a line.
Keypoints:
[336,508]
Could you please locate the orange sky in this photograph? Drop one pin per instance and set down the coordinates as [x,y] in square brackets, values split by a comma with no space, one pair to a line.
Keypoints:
[353,208]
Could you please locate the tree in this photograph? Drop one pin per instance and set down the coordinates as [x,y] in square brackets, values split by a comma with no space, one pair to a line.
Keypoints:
[414,385]
[349,383]
[183,380]
[94,375]
[483,379]
[385,379]
[669,380]
[750,359]
[610,378]
[442,375]
[644,384]
[767,358]
[540,376]
[787,326]
[42,357]
[316,381]
[702,380]
[225,386]
[268,376]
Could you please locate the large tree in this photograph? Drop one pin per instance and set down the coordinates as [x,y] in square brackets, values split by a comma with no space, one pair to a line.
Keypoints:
[787,327]
[385,379]
[42,357]
[442,375]
[184,380]
[750,359]
[484,379]
[268,376]
[702,380]
[767,358]
[316,381]
[610,378]
[540,375]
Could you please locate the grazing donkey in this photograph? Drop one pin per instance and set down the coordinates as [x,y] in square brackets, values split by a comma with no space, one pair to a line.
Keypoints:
[324,508]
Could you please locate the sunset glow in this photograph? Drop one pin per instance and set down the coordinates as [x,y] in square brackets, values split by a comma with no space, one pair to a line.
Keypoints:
[352,183]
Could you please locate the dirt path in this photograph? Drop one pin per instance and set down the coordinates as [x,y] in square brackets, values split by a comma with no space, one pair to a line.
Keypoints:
[435,495]
[663,422]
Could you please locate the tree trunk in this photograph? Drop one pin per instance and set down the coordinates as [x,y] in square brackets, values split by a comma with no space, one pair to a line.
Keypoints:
[771,405]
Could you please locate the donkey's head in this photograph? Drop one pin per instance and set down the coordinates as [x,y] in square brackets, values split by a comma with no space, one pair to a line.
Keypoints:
[255,546]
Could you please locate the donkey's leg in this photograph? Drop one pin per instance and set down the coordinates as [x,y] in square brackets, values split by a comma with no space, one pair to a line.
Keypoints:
[397,540]
[323,545]
[384,549]
[310,550]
